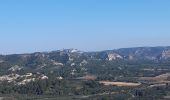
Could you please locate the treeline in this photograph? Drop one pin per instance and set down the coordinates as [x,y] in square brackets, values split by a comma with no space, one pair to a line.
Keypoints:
[52,87]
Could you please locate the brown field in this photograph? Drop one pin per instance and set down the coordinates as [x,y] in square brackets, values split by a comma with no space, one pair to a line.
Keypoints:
[119,83]
[88,77]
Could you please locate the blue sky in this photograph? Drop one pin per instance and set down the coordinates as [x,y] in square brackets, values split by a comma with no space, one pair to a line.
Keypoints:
[88,25]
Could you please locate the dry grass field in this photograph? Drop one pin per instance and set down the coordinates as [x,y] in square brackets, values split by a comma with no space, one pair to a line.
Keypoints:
[119,83]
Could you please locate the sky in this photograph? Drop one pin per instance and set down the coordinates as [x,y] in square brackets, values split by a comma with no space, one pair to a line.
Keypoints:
[88,25]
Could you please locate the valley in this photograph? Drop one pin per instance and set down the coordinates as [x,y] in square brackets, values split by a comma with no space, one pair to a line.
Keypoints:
[69,74]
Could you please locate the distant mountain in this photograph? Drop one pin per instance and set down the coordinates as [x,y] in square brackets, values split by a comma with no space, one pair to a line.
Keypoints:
[148,53]
[66,55]
[71,64]
[51,61]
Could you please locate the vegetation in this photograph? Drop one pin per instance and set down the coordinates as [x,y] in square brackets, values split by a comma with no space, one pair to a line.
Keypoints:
[63,75]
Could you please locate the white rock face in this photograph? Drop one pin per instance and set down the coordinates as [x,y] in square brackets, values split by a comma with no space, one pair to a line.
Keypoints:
[15,68]
[73,72]
[28,75]
[60,78]
[73,64]
[9,78]
[166,54]
[43,77]
[84,62]
[70,58]
[13,77]
[29,78]
[83,69]
[57,63]
[25,81]
[42,66]
[113,56]
[22,79]
[73,50]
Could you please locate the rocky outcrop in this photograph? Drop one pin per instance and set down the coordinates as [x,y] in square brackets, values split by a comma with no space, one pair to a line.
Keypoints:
[165,54]
[113,56]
